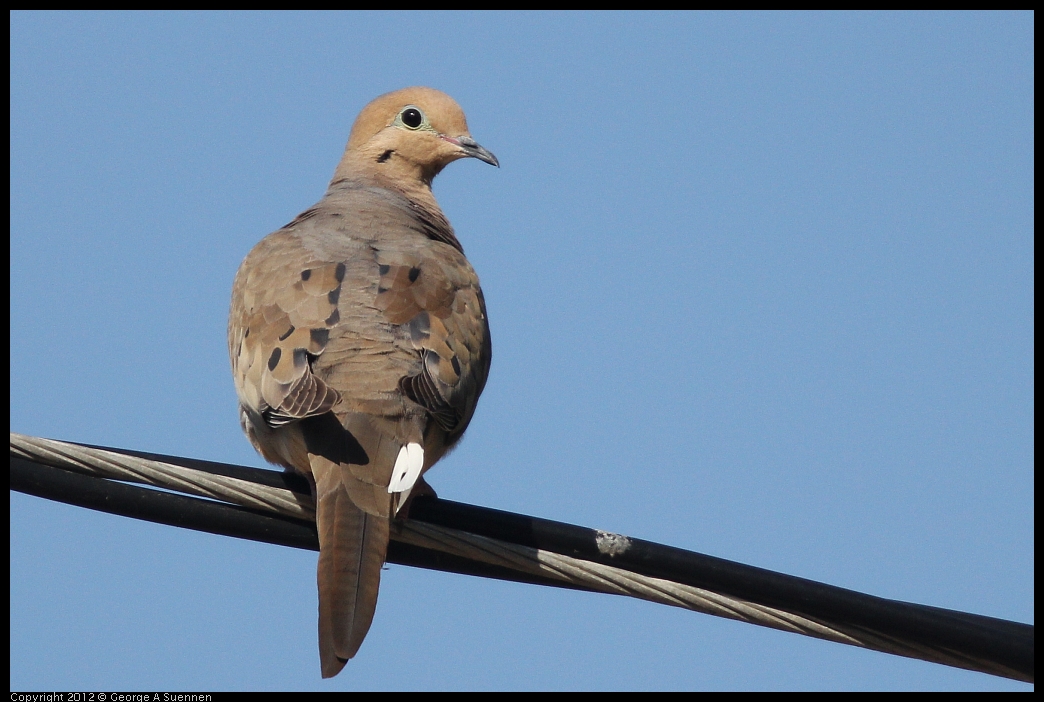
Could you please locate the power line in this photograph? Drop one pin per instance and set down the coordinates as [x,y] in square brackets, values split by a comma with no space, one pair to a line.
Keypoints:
[460,538]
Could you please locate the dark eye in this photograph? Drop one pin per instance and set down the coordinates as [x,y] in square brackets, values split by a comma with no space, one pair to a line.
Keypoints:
[412,117]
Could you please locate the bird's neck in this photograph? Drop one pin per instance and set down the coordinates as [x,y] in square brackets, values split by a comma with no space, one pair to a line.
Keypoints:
[418,200]
[391,170]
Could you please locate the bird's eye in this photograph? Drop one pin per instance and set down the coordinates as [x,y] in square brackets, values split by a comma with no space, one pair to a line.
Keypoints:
[412,117]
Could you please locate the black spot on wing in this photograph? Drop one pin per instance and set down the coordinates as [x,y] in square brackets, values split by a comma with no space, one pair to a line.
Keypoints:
[420,328]
[287,333]
[414,274]
[319,336]
[273,360]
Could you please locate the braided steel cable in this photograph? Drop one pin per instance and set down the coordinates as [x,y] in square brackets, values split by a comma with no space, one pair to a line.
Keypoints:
[276,508]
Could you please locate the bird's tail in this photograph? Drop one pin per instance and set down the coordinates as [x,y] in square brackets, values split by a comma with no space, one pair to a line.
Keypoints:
[352,549]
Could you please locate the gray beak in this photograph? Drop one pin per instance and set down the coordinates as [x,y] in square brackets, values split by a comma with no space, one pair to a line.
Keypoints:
[472,149]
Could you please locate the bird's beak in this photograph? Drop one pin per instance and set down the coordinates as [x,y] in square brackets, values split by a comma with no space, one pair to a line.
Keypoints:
[471,148]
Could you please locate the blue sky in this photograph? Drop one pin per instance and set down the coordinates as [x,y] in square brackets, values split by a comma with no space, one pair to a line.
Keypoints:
[760,286]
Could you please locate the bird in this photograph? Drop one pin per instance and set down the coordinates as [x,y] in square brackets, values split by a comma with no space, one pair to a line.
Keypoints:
[360,345]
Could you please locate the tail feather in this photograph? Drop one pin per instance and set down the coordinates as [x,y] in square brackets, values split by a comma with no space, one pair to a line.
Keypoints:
[352,549]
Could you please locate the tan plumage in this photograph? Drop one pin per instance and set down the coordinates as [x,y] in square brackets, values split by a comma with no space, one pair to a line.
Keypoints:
[359,344]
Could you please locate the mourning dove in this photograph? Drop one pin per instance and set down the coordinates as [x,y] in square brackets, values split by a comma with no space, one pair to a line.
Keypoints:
[359,344]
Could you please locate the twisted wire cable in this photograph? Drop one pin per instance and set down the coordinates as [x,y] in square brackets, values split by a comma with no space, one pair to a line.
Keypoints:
[540,564]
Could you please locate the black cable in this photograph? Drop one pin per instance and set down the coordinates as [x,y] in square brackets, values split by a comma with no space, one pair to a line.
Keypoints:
[979,637]
[224,519]
[991,645]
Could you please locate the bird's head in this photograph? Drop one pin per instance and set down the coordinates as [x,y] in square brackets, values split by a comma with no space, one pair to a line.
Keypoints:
[410,134]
